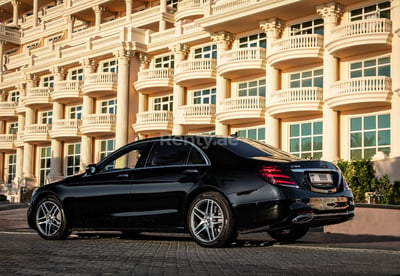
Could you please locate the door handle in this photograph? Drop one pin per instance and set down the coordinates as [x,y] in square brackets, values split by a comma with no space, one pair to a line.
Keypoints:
[191,171]
[123,175]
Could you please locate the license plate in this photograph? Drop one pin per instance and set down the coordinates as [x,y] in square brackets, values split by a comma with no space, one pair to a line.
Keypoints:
[321,178]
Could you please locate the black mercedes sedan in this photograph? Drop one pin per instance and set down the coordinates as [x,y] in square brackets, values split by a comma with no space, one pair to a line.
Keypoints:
[210,186]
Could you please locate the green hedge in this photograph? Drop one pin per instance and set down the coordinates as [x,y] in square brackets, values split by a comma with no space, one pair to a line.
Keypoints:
[360,175]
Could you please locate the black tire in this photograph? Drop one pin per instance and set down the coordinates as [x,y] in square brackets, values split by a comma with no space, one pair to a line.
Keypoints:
[50,220]
[210,220]
[289,234]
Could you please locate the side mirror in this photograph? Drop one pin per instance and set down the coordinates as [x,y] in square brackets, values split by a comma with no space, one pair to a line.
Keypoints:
[91,169]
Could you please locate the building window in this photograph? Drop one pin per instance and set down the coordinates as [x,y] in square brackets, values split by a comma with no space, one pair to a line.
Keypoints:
[252,88]
[315,26]
[256,40]
[13,128]
[172,3]
[44,166]
[205,96]
[73,158]
[163,103]
[209,51]
[368,135]
[13,96]
[48,81]
[75,112]
[108,107]
[312,78]
[370,68]
[109,66]
[11,167]
[164,61]
[380,10]
[105,148]
[76,74]
[54,38]
[253,133]
[305,139]
[46,117]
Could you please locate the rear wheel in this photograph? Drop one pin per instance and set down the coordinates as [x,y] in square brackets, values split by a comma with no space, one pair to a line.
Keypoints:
[289,234]
[50,220]
[210,220]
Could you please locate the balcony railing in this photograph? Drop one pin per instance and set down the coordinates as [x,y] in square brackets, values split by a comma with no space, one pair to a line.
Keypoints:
[362,27]
[293,95]
[231,5]
[7,109]
[67,90]
[298,42]
[100,84]
[156,73]
[99,119]
[101,78]
[242,54]
[195,65]
[362,85]
[37,96]
[196,114]
[154,117]
[67,124]
[243,103]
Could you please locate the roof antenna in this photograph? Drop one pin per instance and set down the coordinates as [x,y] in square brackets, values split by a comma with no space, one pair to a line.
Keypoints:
[235,135]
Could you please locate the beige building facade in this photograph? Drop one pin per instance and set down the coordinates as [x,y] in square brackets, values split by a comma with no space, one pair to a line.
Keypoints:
[81,78]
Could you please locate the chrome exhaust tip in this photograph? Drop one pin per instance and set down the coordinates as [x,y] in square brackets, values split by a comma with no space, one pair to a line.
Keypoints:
[303,218]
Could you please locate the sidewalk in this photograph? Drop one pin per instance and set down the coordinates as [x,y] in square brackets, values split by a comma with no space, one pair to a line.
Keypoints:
[5,205]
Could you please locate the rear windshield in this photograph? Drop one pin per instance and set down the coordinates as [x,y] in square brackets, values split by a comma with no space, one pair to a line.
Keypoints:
[252,148]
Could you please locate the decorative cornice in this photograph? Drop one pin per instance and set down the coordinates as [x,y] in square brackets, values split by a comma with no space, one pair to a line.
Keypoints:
[272,26]
[331,11]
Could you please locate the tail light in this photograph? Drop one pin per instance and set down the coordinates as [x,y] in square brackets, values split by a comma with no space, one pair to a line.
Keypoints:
[277,177]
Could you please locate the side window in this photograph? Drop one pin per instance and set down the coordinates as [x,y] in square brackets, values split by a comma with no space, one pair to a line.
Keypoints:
[166,153]
[127,160]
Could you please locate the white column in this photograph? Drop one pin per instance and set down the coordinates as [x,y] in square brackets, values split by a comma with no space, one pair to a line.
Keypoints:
[395,73]
[180,51]
[128,12]
[331,140]
[87,109]
[162,24]
[122,98]
[272,28]
[223,40]
[70,25]
[15,4]
[35,13]
[98,11]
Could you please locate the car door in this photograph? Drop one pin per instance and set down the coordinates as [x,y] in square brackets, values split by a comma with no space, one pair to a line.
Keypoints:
[104,196]
[172,169]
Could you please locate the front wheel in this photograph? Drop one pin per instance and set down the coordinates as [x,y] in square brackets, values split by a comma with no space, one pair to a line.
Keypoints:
[210,220]
[289,234]
[50,220]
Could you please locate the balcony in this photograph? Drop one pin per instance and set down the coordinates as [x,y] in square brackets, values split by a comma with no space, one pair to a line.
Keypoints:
[242,110]
[66,129]
[359,37]
[196,115]
[100,84]
[193,72]
[240,62]
[296,102]
[367,92]
[151,122]
[99,124]
[7,142]
[36,133]
[155,80]
[296,50]
[190,9]
[9,34]
[67,91]
[37,97]
[7,110]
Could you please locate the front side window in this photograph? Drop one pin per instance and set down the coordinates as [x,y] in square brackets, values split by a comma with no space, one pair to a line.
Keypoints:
[256,40]
[315,26]
[209,51]
[44,166]
[380,10]
[11,167]
[305,140]
[370,68]
[48,81]
[169,153]
[163,103]
[253,133]
[313,78]
[76,74]
[46,117]
[205,96]
[368,135]
[252,88]
[129,159]
[73,156]
[109,66]
[108,107]
[164,61]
